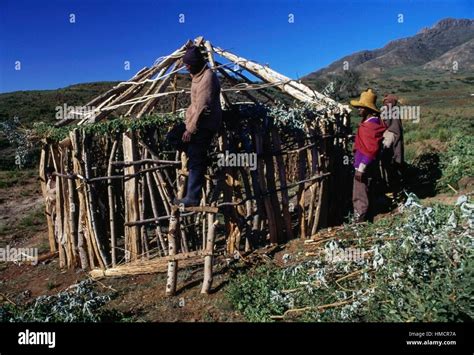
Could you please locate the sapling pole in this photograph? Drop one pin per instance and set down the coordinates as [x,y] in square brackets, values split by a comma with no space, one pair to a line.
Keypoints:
[282,177]
[301,189]
[208,259]
[48,206]
[129,145]
[111,198]
[86,253]
[142,203]
[172,264]
[156,214]
[272,226]
[91,207]
[73,214]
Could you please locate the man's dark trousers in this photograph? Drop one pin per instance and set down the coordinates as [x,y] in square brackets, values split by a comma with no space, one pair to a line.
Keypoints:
[197,151]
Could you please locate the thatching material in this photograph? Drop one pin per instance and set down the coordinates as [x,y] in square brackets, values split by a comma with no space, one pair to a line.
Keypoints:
[152,266]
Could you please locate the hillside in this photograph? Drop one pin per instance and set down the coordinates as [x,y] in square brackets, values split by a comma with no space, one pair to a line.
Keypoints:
[431,47]
[419,70]
[40,105]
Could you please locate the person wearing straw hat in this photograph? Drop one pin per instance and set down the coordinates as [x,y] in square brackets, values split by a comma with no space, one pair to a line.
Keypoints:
[366,150]
[203,119]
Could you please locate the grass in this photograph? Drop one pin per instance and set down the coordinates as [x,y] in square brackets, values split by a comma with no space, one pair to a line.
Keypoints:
[51,285]
[457,162]
[5,229]
[40,105]
[31,223]
[33,220]
[11,178]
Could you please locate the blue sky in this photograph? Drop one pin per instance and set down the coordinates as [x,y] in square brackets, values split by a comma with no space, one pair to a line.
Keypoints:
[55,53]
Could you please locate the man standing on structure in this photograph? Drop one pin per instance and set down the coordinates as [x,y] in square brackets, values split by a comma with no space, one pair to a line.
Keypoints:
[366,148]
[203,119]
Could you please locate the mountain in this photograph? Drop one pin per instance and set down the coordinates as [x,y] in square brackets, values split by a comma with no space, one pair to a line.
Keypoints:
[432,48]
[463,55]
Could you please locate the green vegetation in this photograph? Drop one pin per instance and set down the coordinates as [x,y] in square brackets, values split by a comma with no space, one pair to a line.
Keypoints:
[30,107]
[417,267]
[119,125]
[457,161]
[79,303]
[33,221]
[40,105]
[16,177]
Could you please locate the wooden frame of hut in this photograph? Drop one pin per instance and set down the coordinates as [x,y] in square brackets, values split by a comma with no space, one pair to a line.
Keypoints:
[113,211]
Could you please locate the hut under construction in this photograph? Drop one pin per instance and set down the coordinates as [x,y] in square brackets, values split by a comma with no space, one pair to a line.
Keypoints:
[109,199]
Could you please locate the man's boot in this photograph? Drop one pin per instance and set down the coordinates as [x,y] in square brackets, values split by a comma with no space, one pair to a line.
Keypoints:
[193,192]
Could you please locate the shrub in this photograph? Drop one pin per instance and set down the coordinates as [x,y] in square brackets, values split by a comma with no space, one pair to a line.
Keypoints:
[80,303]
[457,161]
[419,267]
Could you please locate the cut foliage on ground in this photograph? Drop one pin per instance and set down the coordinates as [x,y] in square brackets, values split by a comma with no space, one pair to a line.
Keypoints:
[417,266]
[79,303]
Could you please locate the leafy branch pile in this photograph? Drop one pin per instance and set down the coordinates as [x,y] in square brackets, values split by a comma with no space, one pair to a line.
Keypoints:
[295,116]
[47,131]
[416,267]
[79,303]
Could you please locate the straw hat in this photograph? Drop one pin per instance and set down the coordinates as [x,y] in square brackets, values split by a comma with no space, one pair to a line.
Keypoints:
[367,99]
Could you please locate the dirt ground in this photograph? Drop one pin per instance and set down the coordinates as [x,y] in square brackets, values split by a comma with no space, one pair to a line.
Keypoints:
[141,298]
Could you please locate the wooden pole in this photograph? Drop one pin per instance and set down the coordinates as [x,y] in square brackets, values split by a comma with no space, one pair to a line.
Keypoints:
[156,214]
[208,259]
[271,186]
[67,237]
[301,190]
[173,232]
[173,264]
[91,204]
[73,213]
[48,208]
[272,225]
[58,223]
[141,204]
[291,87]
[132,233]
[84,243]
[148,106]
[282,177]
[112,206]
